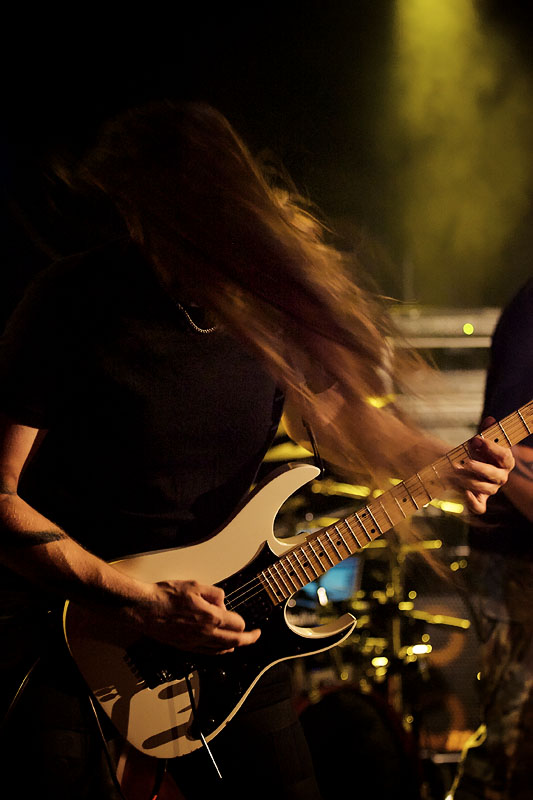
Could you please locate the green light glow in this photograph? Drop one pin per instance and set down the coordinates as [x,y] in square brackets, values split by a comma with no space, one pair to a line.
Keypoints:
[457,137]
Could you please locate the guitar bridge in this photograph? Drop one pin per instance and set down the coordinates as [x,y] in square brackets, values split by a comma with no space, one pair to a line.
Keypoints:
[156,663]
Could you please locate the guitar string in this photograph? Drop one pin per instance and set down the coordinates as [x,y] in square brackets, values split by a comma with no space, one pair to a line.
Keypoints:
[241,595]
[246,588]
[257,579]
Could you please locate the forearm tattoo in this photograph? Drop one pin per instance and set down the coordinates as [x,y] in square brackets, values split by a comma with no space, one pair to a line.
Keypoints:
[20,539]
[16,538]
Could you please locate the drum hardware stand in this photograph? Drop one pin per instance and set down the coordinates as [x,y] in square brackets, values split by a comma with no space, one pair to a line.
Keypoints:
[389,609]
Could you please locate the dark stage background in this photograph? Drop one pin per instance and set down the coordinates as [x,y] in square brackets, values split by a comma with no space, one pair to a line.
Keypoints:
[407,122]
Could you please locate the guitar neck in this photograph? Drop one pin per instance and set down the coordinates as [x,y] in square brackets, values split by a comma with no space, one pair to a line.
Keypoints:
[329,546]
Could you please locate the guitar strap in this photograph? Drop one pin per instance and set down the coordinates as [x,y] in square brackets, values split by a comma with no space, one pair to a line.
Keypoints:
[316,453]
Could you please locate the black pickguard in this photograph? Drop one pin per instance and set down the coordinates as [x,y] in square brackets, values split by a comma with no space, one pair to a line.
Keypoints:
[225,679]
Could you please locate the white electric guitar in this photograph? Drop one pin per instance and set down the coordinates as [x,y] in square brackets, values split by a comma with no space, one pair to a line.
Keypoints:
[166,702]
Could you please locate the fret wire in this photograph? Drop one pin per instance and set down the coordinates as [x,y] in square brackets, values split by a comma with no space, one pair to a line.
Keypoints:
[376,523]
[490,433]
[528,408]
[353,533]
[292,575]
[363,527]
[334,545]
[268,582]
[315,555]
[423,485]
[317,574]
[293,570]
[434,468]
[296,565]
[325,549]
[526,426]
[278,572]
[450,460]
[457,450]
[297,557]
[399,506]
[284,571]
[386,513]
[411,496]
[278,587]
[343,539]
[503,431]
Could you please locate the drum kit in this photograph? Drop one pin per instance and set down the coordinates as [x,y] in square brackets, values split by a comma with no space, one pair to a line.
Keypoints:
[378,705]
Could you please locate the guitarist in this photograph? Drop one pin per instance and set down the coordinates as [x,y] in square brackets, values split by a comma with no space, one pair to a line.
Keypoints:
[141,385]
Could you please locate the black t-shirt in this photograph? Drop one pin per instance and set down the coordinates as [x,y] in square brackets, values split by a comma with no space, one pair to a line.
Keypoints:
[155,431]
[509,386]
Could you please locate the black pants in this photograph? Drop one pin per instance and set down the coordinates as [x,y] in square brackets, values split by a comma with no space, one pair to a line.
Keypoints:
[261,754]
[52,748]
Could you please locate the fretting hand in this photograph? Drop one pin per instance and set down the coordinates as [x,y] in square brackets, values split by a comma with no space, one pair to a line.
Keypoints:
[486,472]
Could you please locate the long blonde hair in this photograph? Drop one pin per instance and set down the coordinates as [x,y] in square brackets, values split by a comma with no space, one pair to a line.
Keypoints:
[218,227]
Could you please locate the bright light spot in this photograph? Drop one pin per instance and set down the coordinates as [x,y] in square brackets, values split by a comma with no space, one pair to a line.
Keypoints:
[412,595]
[350,489]
[380,661]
[381,402]
[322,596]
[287,451]
[468,328]
[454,566]
[447,505]
[324,522]
[405,606]
[425,637]
[419,649]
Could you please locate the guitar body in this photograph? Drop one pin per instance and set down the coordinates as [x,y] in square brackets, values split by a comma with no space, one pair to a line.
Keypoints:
[165,702]
[147,689]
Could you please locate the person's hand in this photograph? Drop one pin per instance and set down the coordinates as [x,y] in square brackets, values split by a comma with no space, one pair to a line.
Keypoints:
[192,617]
[486,472]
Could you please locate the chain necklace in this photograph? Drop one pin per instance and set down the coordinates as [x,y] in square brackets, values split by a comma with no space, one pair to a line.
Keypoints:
[192,323]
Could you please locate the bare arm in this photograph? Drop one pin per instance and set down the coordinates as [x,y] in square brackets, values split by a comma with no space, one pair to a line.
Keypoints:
[183,612]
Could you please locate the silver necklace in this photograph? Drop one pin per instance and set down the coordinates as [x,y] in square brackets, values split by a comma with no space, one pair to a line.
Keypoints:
[192,323]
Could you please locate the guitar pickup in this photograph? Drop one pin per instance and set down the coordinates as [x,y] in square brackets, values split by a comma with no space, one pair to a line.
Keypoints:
[156,663]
